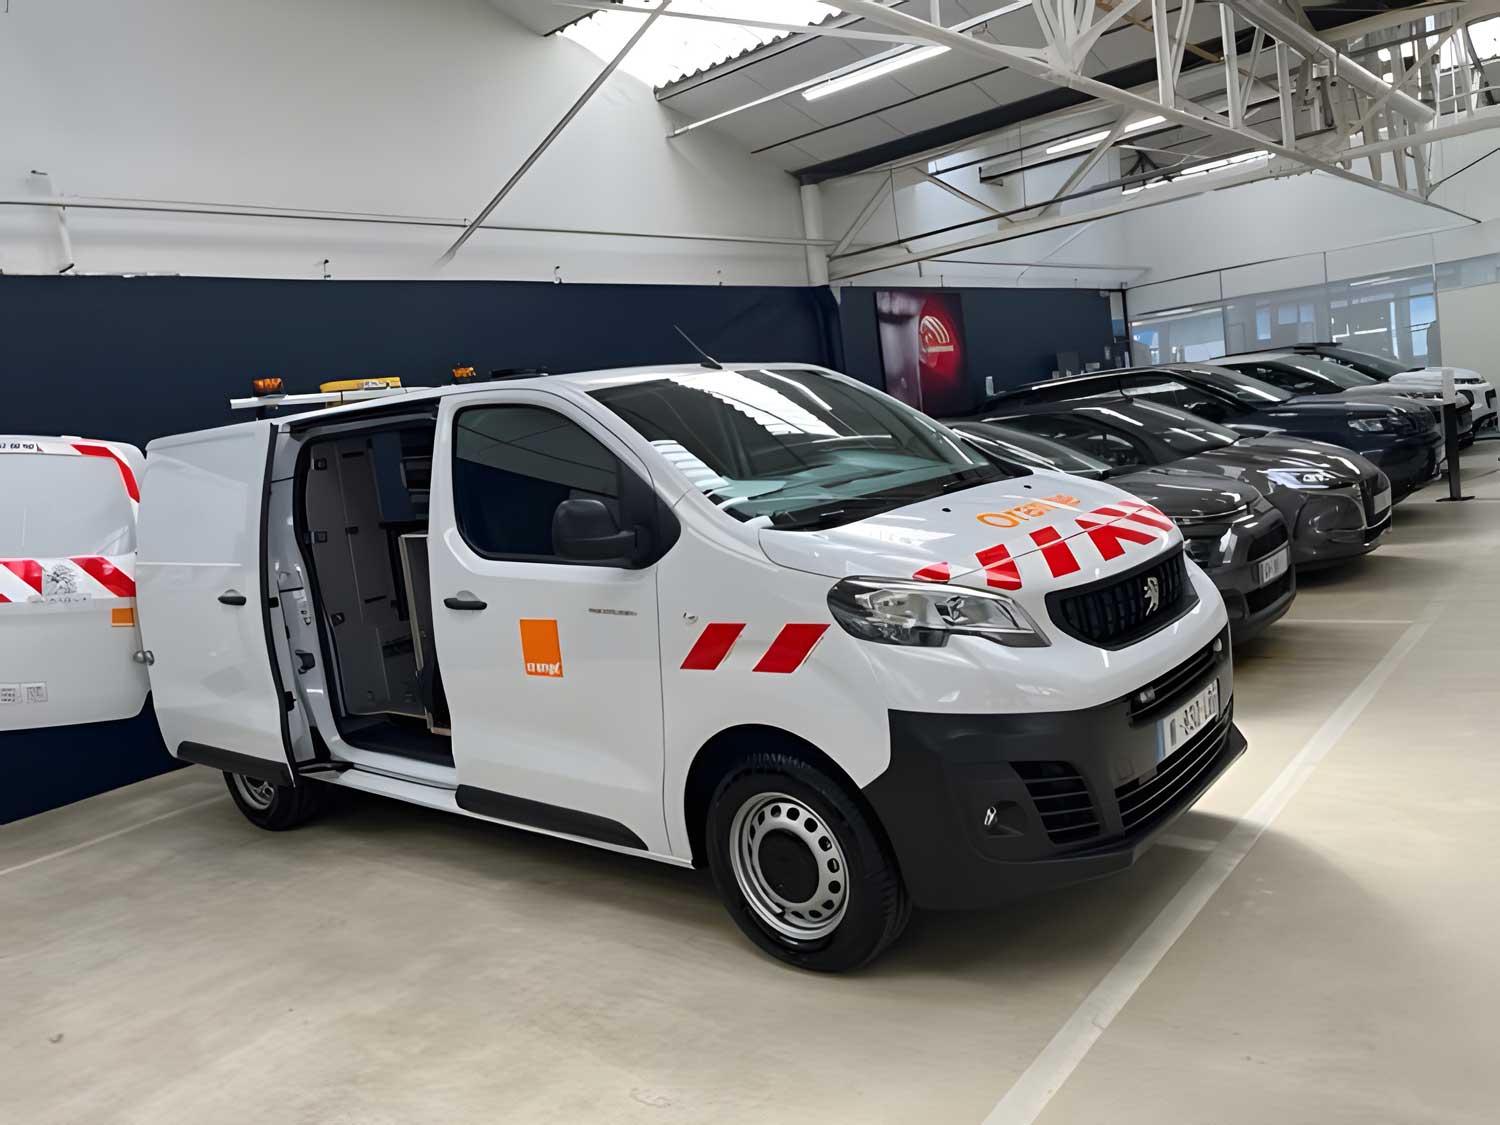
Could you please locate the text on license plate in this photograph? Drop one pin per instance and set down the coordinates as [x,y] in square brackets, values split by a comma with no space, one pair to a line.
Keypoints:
[1272,567]
[1186,721]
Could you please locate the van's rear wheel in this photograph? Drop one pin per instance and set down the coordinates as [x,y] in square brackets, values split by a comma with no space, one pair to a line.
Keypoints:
[800,867]
[271,806]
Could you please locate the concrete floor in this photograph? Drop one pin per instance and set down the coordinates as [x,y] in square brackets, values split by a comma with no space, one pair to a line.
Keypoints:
[395,965]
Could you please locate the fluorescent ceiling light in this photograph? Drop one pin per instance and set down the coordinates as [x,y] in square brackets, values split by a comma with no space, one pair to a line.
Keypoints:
[873,71]
[1202,170]
[1094,138]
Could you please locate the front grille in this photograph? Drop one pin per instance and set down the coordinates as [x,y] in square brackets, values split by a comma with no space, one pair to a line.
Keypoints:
[1147,800]
[1489,398]
[1257,600]
[1375,530]
[1162,692]
[1062,800]
[1120,611]
[1267,541]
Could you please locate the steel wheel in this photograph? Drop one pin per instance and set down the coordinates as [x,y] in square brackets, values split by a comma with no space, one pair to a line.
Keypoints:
[789,866]
[256,794]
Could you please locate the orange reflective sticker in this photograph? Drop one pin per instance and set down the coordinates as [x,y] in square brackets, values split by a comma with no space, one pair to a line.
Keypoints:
[540,649]
[124,615]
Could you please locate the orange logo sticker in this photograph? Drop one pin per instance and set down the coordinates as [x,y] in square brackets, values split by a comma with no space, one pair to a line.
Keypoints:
[1012,517]
[540,649]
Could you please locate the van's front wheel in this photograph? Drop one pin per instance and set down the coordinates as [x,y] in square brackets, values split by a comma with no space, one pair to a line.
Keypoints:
[800,867]
[271,806]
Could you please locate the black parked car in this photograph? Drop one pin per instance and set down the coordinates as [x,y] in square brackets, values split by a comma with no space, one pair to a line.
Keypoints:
[1402,440]
[1234,533]
[1336,504]
[1472,385]
[1314,375]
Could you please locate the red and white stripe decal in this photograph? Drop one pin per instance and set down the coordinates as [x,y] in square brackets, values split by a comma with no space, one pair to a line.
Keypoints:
[1108,537]
[791,647]
[85,578]
[1000,570]
[787,652]
[132,489]
[934,572]
[82,449]
[712,646]
[1055,551]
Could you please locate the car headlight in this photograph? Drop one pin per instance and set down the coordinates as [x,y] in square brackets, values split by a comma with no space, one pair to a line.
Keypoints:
[1304,478]
[893,611]
[1373,425]
[1205,550]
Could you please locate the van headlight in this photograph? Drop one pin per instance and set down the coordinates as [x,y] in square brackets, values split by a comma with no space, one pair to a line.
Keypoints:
[894,611]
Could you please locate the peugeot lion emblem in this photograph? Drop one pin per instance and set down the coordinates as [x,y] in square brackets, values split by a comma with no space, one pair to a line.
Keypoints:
[1152,594]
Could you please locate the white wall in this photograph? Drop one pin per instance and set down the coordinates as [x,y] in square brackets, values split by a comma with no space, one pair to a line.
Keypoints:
[410,107]
[1470,333]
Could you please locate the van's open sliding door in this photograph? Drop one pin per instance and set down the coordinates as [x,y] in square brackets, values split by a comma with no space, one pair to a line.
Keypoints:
[204,601]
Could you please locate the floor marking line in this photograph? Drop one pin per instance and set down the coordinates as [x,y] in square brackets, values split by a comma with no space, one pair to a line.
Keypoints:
[1348,621]
[1024,1102]
[109,836]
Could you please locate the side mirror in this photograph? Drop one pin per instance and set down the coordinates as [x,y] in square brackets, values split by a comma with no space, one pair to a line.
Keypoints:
[588,531]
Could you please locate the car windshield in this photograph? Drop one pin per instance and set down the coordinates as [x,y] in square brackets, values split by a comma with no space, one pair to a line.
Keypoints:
[794,448]
[1251,392]
[1031,449]
[1329,371]
[1379,366]
[1178,430]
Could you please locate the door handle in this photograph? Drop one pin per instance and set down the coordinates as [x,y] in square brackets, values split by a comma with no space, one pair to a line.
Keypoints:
[464,603]
[231,597]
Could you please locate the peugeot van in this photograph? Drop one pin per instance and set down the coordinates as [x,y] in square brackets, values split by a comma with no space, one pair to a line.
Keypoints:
[760,619]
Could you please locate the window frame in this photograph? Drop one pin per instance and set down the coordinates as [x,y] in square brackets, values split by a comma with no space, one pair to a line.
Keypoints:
[624,476]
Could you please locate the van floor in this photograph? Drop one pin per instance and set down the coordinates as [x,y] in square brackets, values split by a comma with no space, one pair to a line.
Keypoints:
[161,961]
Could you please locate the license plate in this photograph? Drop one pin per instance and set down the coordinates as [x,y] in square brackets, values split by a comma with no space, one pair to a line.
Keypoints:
[1272,567]
[1382,500]
[1187,721]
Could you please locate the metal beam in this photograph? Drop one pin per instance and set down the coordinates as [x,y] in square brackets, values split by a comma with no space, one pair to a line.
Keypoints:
[811,29]
[957,193]
[1086,165]
[1287,30]
[1231,67]
[1166,89]
[553,134]
[1284,94]
[887,186]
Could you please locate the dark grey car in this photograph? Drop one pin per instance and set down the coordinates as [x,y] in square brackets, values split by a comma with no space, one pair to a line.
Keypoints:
[1337,504]
[1234,533]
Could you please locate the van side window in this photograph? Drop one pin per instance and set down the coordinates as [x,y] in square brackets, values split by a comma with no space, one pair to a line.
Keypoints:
[512,467]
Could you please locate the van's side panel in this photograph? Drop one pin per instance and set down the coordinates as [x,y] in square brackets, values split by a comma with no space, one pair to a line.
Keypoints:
[203,599]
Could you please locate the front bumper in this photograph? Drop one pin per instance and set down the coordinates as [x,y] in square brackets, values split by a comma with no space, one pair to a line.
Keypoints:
[981,809]
[1251,604]
[1410,462]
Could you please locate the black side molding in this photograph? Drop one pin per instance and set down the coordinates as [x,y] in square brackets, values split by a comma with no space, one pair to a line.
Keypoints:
[232,761]
[552,818]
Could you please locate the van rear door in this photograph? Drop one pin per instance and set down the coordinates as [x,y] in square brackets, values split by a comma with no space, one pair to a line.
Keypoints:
[67,586]
[205,602]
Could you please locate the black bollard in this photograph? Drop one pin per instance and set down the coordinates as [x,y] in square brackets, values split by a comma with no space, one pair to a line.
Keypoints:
[1450,442]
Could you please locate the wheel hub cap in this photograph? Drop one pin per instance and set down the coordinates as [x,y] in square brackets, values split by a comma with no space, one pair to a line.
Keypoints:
[789,866]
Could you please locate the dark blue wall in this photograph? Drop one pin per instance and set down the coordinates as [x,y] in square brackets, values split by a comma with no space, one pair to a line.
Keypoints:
[1013,335]
[136,358]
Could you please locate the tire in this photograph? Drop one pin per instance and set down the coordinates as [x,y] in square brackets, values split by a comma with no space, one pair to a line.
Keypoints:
[785,842]
[275,807]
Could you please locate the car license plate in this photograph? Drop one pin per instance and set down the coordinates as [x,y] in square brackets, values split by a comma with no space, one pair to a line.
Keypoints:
[1382,500]
[1186,721]
[1272,567]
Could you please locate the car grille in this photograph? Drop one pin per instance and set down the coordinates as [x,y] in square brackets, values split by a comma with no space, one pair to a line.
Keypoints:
[1147,800]
[1257,600]
[1489,398]
[1161,692]
[1375,530]
[1062,800]
[1267,541]
[1116,612]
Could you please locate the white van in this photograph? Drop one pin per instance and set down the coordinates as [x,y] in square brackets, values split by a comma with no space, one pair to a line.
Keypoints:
[760,618]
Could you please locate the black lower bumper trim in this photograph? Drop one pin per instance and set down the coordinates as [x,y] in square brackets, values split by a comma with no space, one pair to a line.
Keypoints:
[549,818]
[232,761]
[981,809]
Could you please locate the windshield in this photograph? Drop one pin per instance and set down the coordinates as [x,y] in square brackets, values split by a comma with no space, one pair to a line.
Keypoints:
[58,507]
[796,448]
[1031,449]
[1178,430]
[1378,366]
[1329,371]
[1254,393]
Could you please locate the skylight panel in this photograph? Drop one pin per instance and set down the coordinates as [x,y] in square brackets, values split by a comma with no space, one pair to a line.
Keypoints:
[675,48]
